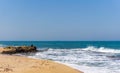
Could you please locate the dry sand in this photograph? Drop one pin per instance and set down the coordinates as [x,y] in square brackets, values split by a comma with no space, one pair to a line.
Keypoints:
[18,64]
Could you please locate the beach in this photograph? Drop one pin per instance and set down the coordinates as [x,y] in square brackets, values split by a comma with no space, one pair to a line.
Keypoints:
[19,64]
[100,57]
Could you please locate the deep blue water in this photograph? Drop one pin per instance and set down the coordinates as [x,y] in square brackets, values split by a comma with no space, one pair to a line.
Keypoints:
[64,44]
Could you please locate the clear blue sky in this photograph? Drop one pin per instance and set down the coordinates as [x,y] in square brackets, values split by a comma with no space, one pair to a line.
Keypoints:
[59,20]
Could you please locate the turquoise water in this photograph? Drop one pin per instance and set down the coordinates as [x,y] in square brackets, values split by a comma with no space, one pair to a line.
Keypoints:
[87,56]
[64,44]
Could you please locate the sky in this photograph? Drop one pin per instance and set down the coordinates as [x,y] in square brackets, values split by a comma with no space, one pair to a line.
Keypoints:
[59,20]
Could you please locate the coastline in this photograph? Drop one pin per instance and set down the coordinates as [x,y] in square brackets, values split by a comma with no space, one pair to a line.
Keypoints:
[19,64]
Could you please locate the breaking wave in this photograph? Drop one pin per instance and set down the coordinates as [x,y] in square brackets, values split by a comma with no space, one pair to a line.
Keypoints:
[102,49]
[88,60]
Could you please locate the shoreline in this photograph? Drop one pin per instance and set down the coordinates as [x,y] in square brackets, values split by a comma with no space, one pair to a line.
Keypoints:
[21,64]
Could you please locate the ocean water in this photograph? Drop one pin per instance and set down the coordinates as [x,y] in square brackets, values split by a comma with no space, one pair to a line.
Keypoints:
[87,56]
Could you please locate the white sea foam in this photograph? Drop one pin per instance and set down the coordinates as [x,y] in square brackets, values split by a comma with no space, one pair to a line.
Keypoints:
[88,60]
[101,49]
[87,69]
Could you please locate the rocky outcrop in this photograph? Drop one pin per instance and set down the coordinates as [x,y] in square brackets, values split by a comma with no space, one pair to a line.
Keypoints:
[20,49]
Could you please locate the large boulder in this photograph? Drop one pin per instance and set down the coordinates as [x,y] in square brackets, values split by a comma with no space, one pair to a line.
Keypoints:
[20,49]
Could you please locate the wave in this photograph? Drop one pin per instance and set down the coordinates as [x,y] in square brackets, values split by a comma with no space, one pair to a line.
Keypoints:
[101,49]
[85,59]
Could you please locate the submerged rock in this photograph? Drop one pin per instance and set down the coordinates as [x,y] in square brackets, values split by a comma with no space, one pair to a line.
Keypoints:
[20,49]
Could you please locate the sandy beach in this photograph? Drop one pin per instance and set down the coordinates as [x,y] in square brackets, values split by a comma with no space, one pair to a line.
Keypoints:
[18,64]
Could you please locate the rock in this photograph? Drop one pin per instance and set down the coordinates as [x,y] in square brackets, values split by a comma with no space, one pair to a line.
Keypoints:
[20,49]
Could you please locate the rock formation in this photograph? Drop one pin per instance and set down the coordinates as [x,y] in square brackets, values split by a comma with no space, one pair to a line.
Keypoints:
[20,49]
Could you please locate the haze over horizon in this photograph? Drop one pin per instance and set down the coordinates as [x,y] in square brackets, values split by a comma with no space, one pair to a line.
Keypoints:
[59,20]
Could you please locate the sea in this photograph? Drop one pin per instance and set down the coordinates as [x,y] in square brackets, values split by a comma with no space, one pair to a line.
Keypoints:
[86,56]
